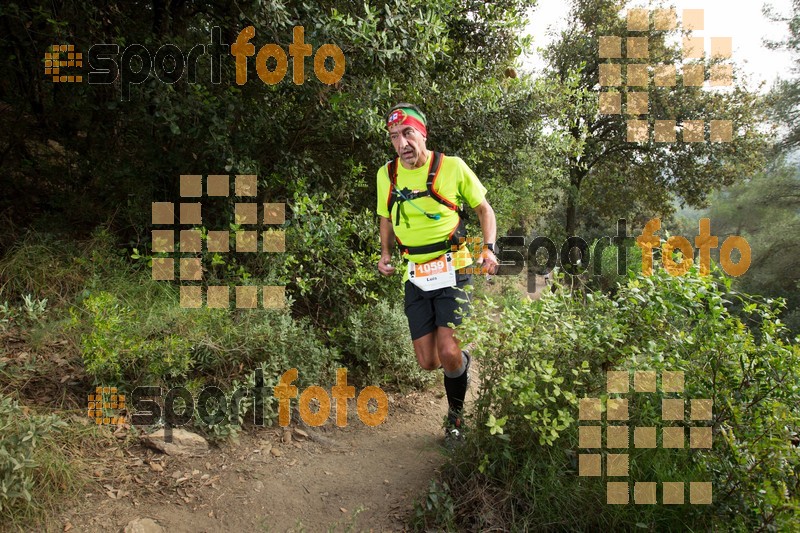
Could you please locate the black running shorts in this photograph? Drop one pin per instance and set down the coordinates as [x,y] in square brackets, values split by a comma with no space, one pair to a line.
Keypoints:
[427,310]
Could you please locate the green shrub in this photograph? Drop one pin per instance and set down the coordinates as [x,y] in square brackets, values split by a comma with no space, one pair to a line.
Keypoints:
[278,342]
[132,343]
[542,356]
[330,259]
[436,509]
[115,350]
[21,434]
[610,275]
[271,342]
[7,316]
[374,342]
[57,270]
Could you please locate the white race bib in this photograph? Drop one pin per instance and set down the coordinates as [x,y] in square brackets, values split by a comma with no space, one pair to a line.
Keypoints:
[435,274]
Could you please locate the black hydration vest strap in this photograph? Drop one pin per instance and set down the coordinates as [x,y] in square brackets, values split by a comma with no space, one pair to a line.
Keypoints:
[453,243]
[395,193]
[392,184]
[459,233]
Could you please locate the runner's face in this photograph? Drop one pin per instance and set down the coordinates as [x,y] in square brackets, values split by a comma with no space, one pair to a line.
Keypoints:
[409,145]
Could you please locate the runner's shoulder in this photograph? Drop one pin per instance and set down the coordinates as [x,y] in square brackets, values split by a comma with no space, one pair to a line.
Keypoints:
[453,163]
[383,170]
[452,160]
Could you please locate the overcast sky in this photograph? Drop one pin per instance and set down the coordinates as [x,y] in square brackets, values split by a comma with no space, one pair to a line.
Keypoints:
[742,20]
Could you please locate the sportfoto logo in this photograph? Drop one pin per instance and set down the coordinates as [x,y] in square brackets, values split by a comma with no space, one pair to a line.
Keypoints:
[637,84]
[149,405]
[513,257]
[168,64]
[617,432]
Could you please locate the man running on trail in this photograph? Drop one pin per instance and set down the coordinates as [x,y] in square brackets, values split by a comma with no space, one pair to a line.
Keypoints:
[419,204]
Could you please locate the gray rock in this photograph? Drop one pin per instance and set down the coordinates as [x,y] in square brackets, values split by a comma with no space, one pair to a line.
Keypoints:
[182,442]
[143,525]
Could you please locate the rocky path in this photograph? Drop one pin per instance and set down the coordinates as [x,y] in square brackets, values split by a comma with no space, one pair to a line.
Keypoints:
[355,478]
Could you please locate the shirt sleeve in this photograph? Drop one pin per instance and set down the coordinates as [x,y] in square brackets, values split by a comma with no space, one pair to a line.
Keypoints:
[383,192]
[470,187]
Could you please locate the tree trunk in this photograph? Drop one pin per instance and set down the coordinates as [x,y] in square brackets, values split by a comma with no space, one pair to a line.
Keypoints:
[576,176]
[572,209]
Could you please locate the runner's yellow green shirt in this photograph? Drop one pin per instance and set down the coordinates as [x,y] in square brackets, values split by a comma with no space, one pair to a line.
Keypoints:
[456,182]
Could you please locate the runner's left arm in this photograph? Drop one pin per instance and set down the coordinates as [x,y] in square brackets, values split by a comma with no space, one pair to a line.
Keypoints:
[489,229]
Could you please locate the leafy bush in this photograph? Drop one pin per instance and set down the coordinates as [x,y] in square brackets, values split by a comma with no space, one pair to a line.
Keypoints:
[158,343]
[271,343]
[330,259]
[436,509]
[115,351]
[518,469]
[57,270]
[277,342]
[610,275]
[34,308]
[374,341]
[7,315]
[20,434]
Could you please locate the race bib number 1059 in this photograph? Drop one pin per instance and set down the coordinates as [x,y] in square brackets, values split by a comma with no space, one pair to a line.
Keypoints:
[435,274]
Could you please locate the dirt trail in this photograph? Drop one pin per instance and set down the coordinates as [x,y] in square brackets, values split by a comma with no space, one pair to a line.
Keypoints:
[354,477]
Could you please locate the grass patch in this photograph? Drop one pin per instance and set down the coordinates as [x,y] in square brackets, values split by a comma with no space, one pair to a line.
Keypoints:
[41,464]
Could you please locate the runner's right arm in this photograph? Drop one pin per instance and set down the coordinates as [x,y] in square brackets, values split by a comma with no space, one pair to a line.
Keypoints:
[387,244]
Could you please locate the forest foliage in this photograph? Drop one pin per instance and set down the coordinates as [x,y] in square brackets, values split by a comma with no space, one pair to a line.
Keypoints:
[84,162]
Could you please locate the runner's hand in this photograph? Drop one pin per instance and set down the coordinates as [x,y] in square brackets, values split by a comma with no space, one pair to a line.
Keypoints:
[385,265]
[488,262]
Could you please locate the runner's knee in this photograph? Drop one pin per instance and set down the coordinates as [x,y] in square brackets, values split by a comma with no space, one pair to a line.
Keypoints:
[428,365]
[450,355]
[428,360]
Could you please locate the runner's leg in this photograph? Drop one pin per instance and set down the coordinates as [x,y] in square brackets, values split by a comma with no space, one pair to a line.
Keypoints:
[454,362]
[451,305]
[421,322]
[426,350]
